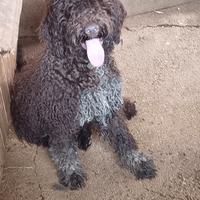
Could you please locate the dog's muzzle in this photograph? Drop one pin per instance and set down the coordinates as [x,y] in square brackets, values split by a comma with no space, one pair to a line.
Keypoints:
[93,45]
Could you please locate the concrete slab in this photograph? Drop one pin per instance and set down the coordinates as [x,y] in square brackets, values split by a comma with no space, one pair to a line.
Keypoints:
[160,68]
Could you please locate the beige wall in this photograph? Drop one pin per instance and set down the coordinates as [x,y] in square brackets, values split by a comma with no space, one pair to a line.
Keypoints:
[32,12]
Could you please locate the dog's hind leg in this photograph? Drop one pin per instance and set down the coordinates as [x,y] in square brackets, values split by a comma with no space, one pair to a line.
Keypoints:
[64,153]
[125,146]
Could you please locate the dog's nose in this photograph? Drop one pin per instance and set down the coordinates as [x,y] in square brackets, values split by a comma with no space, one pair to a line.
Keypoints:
[92,30]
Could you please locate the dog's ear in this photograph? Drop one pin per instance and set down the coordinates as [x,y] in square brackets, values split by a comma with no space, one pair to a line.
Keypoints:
[119,15]
[54,22]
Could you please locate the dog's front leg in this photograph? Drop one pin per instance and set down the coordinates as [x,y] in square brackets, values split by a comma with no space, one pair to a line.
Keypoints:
[64,153]
[125,146]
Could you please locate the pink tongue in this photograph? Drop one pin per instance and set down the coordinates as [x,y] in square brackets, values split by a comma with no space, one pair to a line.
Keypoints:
[95,52]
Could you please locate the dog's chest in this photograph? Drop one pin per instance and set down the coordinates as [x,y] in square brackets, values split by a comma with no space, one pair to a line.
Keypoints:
[99,103]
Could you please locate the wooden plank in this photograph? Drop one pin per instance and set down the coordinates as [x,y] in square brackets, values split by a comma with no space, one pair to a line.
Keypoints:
[3,117]
[9,27]
[2,150]
[4,81]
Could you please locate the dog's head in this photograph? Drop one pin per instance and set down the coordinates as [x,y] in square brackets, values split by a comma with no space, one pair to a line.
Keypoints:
[87,27]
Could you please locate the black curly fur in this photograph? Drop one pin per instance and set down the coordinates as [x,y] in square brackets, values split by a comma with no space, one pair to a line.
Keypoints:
[129,109]
[84,137]
[46,97]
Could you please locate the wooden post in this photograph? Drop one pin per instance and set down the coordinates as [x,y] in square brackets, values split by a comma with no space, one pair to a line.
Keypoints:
[10,12]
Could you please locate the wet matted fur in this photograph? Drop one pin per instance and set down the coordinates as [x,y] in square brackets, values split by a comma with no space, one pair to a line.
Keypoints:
[55,102]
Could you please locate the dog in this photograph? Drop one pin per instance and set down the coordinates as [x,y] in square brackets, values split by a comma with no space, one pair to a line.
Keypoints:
[76,86]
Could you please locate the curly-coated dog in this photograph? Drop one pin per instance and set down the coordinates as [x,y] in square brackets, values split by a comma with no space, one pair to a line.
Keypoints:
[76,86]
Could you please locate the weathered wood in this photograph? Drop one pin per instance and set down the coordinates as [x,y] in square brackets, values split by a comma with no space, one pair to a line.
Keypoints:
[9,27]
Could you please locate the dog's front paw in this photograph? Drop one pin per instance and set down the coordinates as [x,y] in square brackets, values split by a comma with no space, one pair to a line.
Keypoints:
[145,169]
[74,181]
[142,166]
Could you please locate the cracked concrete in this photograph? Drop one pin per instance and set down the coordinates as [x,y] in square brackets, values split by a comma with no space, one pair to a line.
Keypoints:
[160,66]
[165,26]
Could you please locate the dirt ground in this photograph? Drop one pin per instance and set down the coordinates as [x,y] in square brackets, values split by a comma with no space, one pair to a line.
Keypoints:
[160,63]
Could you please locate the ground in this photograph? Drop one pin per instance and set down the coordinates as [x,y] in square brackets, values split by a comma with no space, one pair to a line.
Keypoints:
[160,62]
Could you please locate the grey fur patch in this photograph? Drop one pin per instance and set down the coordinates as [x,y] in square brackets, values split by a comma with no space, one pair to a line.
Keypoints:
[66,160]
[99,103]
[70,171]
[134,159]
